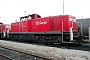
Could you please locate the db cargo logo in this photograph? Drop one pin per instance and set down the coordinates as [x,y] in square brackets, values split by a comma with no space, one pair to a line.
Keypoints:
[41,23]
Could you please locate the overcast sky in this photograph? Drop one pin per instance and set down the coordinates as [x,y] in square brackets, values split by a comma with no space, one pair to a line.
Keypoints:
[11,10]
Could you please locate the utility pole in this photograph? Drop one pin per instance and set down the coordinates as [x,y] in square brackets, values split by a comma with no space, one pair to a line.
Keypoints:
[82,17]
[24,13]
[63,7]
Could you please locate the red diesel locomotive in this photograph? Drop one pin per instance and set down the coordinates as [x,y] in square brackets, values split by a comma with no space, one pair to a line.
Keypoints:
[52,29]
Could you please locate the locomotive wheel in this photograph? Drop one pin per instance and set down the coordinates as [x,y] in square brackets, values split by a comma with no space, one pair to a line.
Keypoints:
[40,39]
[12,38]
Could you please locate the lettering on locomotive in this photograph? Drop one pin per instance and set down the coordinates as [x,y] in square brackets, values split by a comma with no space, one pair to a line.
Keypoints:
[41,23]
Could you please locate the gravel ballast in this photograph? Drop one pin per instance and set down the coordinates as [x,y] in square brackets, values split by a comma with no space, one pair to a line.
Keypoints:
[47,52]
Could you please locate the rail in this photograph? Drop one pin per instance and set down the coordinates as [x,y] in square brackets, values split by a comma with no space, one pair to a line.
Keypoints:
[5,57]
[22,53]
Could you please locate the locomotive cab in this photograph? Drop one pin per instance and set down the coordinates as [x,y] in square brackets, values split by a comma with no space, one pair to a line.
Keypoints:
[30,17]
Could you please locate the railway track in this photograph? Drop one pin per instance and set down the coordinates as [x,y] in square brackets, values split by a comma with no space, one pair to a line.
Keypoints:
[85,46]
[25,55]
[9,54]
[3,57]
